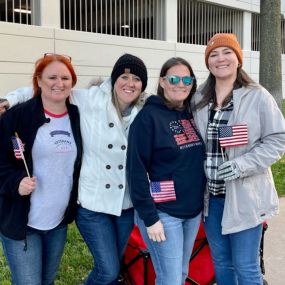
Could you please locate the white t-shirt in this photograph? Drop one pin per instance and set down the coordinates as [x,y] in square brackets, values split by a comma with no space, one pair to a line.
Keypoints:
[54,153]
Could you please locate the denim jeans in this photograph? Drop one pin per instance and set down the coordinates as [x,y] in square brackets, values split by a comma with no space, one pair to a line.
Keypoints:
[235,256]
[35,260]
[171,257]
[106,237]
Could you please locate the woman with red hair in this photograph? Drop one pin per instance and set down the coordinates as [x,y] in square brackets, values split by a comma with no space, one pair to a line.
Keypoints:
[104,204]
[40,161]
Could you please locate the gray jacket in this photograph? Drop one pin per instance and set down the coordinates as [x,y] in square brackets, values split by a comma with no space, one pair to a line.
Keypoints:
[251,199]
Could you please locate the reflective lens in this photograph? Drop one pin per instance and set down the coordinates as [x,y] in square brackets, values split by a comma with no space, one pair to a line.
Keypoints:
[174,79]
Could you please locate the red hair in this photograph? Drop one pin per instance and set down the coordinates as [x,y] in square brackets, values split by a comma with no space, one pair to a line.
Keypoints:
[43,62]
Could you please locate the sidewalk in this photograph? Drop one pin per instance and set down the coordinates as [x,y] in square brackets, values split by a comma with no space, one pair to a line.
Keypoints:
[274,248]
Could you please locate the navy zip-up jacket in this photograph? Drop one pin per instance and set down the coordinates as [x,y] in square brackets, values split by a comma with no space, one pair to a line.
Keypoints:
[164,144]
[26,119]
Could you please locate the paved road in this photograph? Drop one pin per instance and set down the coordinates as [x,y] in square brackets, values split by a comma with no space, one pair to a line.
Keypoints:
[274,248]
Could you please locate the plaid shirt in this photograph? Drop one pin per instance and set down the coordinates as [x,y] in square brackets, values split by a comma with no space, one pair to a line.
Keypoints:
[214,154]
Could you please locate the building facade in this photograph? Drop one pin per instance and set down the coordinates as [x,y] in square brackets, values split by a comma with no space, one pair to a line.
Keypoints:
[96,32]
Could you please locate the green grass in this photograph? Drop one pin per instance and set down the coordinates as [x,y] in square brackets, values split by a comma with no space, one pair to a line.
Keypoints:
[77,262]
[278,170]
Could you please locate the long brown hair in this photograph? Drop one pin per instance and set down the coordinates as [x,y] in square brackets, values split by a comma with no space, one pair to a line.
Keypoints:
[208,90]
[165,67]
[43,62]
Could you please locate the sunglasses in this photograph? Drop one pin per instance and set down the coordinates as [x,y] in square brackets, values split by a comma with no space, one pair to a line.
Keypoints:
[174,79]
[55,54]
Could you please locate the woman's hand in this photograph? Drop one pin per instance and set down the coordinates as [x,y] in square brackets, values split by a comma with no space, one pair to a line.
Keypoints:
[27,186]
[228,171]
[156,232]
[4,105]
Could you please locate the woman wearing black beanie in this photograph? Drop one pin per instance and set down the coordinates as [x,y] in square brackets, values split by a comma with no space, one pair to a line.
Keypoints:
[105,212]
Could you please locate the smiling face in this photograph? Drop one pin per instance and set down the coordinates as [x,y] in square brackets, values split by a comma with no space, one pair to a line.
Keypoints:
[176,94]
[55,83]
[223,63]
[128,88]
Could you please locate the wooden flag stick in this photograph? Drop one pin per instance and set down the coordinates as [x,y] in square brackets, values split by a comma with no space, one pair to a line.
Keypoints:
[22,153]
[223,154]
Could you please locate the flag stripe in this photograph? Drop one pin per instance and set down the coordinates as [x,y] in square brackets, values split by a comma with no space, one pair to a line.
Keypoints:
[162,191]
[18,147]
[233,135]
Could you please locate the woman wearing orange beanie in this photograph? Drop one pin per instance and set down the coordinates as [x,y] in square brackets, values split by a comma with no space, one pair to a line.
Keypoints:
[244,132]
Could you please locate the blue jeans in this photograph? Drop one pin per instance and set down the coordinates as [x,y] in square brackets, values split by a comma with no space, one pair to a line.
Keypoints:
[106,237]
[235,256]
[35,260]
[170,258]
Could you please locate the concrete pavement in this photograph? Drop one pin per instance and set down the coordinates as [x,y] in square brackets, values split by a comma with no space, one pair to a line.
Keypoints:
[274,248]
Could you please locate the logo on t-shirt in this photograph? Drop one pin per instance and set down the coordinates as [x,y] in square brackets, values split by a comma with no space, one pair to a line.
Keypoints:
[61,140]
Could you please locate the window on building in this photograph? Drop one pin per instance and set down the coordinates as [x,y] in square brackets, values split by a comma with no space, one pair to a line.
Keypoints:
[198,21]
[17,11]
[255,33]
[131,18]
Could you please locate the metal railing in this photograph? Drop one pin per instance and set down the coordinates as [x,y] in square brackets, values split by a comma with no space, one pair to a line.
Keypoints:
[255,33]
[18,11]
[131,18]
[198,21]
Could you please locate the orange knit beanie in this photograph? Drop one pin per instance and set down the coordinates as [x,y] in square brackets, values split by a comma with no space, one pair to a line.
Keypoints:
[224,40]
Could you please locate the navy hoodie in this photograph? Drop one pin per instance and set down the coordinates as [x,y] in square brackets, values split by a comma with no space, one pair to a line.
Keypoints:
[164,145]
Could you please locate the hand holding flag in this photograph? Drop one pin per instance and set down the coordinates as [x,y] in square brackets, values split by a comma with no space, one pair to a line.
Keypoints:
[18,148]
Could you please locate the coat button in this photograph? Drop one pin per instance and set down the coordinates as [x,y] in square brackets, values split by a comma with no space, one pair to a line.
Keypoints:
[108,166]
[110,145]
[121,186]
[123,147]
[111,125]
[107,186]
[120,166]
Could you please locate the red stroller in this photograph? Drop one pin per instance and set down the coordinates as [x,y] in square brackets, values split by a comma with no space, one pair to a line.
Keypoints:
[138,268]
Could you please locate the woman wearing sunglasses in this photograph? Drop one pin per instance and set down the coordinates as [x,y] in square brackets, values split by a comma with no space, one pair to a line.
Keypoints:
[40,160]
[165,172]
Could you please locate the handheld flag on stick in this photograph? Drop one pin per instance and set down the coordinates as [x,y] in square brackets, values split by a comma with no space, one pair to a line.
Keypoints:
[230,136]
[18,148]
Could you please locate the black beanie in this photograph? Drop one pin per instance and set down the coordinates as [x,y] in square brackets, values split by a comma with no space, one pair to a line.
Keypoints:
[133,65]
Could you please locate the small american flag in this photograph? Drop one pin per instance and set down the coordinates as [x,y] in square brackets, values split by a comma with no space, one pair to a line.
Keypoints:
[230,136]
[162,191]
[18,147]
